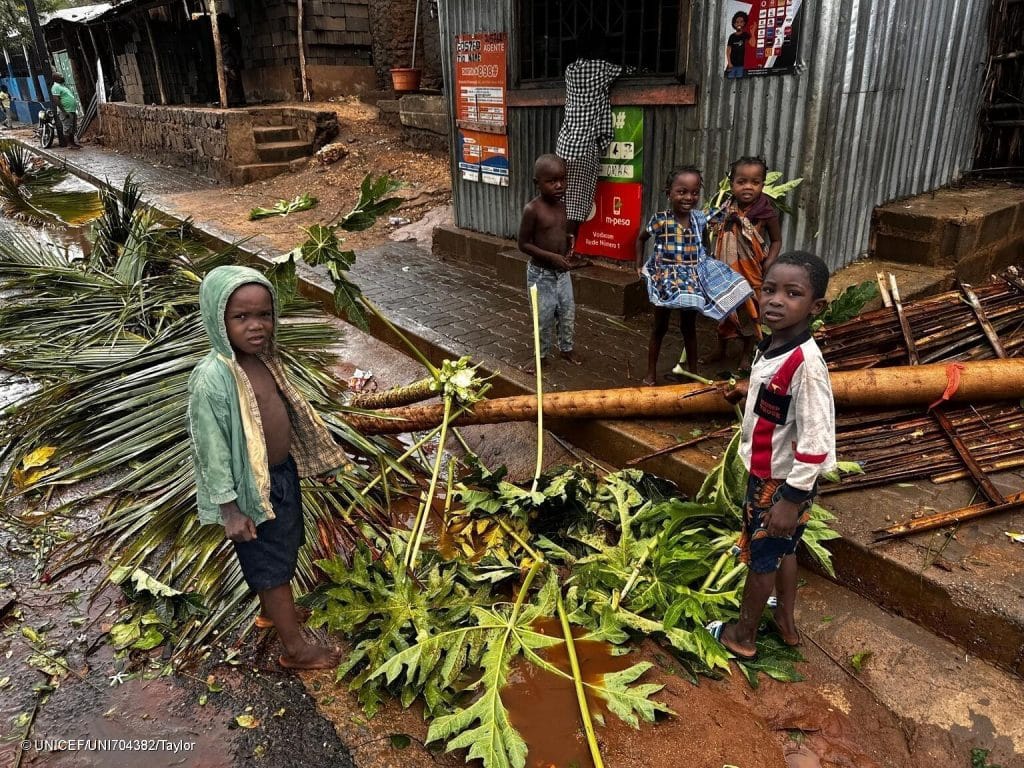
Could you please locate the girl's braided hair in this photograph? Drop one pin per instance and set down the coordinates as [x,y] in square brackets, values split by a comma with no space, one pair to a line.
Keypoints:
[747,160]
[678,171]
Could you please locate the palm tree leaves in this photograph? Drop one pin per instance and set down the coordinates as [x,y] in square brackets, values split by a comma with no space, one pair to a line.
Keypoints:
[27,191]
[110,342]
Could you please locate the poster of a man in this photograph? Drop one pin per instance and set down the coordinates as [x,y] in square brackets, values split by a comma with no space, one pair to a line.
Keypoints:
[762,37]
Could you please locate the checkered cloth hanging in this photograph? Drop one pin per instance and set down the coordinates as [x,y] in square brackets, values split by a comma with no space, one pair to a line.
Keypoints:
[586,130]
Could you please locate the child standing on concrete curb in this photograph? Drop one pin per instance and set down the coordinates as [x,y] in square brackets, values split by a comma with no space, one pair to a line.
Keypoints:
[544,237]
[253,437]
[788,440]
[748,238]
[679,273]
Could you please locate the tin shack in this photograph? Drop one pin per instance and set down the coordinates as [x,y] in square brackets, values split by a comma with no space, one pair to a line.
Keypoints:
[866,102]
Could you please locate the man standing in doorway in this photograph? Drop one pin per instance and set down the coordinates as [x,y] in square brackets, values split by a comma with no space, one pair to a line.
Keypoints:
[67,111]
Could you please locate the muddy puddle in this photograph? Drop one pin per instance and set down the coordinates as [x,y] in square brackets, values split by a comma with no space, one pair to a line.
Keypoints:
[543,706]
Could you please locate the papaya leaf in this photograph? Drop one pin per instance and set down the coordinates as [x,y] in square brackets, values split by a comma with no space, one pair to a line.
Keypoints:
[626,701]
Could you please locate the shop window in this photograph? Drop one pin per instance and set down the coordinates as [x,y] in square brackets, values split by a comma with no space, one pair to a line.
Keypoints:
[648,35]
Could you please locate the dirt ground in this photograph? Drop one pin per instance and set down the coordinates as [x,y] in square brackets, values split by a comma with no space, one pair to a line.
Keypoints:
[373,147]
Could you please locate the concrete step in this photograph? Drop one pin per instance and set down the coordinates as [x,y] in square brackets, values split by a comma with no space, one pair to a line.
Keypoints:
[281,151]
[948,702]
[613,291]
[915,281]
[265,134]
[258,171]
[975,230]
[607,289]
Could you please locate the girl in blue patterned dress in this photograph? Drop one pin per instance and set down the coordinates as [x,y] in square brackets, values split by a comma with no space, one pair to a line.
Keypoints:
[679,273]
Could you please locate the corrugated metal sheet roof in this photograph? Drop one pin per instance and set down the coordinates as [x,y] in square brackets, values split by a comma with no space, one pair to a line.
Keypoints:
[80,15]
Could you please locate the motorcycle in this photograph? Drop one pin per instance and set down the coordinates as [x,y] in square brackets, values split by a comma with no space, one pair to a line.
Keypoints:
[46,128]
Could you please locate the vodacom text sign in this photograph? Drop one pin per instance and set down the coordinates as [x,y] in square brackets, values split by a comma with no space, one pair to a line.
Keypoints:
[615,219]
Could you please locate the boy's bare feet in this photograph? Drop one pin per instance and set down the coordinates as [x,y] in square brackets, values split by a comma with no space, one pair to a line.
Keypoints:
[265,622]
[786,629]
[531,367]
[743,650]
[572,357]
[309,656]
[718,355]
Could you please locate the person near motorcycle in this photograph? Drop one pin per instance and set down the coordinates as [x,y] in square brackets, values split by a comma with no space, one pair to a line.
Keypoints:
[67,110]
[5,107]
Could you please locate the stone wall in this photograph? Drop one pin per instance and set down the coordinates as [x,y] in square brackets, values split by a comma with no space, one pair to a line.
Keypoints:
[209,141]
[974,231]
[214,142]
[391,25]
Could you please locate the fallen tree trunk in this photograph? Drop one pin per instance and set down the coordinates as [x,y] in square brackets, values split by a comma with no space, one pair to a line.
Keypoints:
[872,388]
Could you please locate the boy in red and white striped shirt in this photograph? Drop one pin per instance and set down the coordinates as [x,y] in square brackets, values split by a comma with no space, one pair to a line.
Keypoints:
[788,440]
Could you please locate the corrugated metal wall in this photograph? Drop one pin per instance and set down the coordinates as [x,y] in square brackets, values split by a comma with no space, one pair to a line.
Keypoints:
[479,206]
[885,106]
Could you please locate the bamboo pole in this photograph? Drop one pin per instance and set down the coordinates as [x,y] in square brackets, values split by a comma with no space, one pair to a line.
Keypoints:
[983,319]
[942,519]
[156,58]
[875,388]
[987,488]
[218,54]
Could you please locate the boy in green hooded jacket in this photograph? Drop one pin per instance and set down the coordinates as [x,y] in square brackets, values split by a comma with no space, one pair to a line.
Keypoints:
[253,437]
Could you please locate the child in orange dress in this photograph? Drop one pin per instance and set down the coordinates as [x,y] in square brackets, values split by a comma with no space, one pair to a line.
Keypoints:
[748,238]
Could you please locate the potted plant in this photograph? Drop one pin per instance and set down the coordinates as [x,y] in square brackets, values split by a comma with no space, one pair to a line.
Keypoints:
[407,79]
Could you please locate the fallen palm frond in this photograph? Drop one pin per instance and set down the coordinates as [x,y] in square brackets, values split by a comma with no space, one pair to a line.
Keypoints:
[27,191]
[303,202]
[111,342]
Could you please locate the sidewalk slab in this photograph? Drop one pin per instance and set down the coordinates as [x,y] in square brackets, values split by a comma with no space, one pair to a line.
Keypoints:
[449,310]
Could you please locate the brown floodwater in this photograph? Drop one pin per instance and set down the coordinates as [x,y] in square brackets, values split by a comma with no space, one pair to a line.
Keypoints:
[543,707]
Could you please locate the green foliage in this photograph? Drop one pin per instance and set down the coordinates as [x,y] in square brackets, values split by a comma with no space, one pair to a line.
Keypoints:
[322,248]
[384,613]
[848,304]
[859,659]
[774,189]
[113,227]
[157,610]
[374,201]
[303,202]
[979,759]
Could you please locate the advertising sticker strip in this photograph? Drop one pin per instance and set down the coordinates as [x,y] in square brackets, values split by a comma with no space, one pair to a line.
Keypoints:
[481,70]
[615,219]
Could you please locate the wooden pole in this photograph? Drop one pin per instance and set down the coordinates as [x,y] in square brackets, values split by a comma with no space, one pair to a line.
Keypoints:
[302,51]
[117,64]
[85,57]
[156,58]
[218,54]
[895,387]
[98,55]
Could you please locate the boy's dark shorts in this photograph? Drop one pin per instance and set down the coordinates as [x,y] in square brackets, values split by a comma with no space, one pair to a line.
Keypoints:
[761,552]
[269,560]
